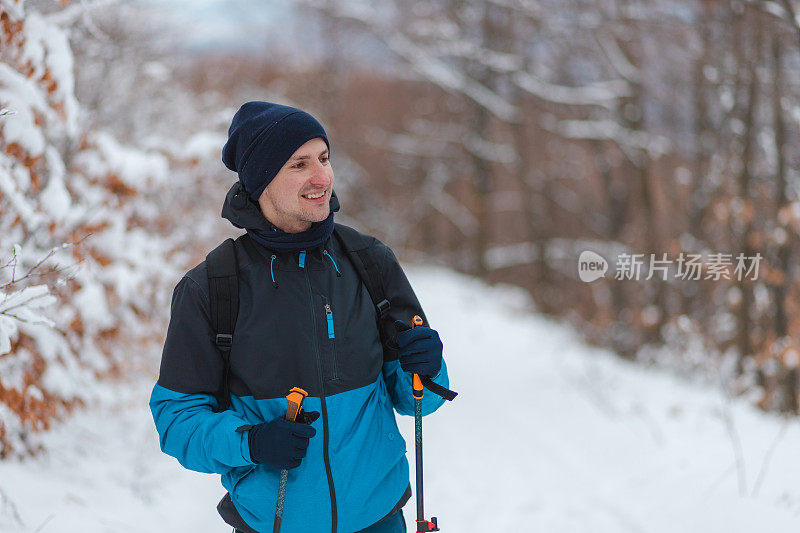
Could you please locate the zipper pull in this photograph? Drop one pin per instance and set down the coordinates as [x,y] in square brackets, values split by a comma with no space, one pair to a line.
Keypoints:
[329,313]
[271,272]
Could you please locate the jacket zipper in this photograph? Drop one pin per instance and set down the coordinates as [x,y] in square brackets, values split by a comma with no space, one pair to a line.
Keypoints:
[324,409]
[332,336]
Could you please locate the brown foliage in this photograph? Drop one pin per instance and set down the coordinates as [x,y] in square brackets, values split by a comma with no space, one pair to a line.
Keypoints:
[36,411]
[118,187]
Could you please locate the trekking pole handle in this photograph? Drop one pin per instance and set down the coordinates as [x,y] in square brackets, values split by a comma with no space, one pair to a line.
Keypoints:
[422,524]
[417,382]
[295,398]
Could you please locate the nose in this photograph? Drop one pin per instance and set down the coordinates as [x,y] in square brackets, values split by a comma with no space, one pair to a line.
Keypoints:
[321,177]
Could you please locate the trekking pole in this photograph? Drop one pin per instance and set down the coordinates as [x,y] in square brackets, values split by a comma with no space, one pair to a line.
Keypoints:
[295,399]
[422,524]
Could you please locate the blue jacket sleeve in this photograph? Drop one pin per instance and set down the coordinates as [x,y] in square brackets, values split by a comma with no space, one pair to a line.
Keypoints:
[183,400]
[398,382]
[404,305]
[195,435]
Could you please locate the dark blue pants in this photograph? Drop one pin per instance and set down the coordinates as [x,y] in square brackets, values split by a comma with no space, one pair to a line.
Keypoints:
[393,524]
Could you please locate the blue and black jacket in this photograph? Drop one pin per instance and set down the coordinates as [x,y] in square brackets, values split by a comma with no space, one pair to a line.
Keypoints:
[305,320]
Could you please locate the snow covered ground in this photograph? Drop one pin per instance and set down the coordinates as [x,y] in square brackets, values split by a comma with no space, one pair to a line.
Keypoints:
[547,434]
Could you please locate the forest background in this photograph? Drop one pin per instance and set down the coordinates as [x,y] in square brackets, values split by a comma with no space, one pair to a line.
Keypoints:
[499,138]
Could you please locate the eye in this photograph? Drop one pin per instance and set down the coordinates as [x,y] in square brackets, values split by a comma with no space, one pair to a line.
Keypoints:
[298,165]
[325,158]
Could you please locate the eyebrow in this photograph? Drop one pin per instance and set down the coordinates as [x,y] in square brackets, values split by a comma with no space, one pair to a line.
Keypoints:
[300,157]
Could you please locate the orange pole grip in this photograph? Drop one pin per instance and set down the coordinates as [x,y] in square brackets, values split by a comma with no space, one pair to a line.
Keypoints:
[417,383]
[295,399]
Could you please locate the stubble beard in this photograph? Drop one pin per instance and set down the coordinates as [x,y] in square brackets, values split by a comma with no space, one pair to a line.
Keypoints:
[308,215]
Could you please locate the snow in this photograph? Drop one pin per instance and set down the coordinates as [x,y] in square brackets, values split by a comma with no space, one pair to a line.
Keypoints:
[50,50]
[8,329]
[54,198]
[92,303]
[602,93]
[22,305]
[656,145]
[9,190]
[20,125]
[202,144]
[422,61]
[547,434]
[133,166]
[61,182]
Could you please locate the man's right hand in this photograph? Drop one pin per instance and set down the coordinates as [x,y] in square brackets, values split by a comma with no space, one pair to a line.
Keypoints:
[279,443]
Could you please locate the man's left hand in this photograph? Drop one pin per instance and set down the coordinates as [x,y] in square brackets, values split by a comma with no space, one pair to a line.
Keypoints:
[420,351]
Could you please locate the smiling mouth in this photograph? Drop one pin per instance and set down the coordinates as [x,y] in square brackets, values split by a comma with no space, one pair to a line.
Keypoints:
[314,195]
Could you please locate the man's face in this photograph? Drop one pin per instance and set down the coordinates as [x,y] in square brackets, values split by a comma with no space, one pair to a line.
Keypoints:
[307,172]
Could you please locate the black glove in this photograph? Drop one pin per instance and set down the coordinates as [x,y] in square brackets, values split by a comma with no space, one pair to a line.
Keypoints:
[281,443]
[420,351]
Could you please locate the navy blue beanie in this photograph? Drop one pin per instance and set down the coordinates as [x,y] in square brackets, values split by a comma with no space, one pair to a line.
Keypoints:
[262,138]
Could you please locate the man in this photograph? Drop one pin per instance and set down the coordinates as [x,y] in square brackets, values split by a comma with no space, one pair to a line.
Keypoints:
[305,320]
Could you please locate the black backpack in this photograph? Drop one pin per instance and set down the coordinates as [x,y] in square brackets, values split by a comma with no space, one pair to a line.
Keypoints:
[223,287]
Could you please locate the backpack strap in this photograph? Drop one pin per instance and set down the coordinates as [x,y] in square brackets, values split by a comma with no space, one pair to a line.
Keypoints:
[223,285]
[359,252]
[223,294]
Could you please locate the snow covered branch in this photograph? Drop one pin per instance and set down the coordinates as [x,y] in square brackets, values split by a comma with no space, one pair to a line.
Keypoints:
[431,67]
[22,302]
[609,130]
[604,93]
[62,181]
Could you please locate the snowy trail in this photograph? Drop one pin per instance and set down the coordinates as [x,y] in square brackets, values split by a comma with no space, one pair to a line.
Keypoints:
[547,434]
[589,442]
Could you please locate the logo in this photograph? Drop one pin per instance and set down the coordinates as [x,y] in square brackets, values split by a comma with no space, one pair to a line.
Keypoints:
[591,266]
